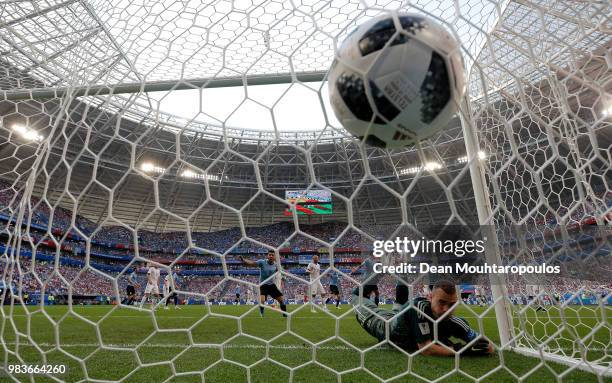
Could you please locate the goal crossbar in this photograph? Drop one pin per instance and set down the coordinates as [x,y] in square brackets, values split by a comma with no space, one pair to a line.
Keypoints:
[161,86]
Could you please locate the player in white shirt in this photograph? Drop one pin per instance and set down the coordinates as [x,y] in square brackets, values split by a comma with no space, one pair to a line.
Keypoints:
[152,288]
[481,299]
[250,296]
[316,287]
[166,290]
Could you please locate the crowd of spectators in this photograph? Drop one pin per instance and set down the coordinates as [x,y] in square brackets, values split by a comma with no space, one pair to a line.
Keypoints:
[60,280]
[113,245]
[278,235]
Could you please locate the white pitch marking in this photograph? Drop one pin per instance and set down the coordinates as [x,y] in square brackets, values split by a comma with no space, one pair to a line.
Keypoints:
[172,345]
[248,346]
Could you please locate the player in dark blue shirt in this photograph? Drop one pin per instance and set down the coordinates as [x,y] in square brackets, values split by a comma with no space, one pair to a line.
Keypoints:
[334,286]
[267,271]
[412,329]
[132,284]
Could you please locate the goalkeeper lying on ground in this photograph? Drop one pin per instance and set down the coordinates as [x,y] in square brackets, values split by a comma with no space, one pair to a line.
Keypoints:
[411,330]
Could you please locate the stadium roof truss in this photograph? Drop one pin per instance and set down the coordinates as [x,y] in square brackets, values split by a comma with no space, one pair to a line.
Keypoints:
[92,48]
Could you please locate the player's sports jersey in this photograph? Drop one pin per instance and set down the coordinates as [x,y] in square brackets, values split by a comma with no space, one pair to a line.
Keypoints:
[167,281]
[333,278]
[177,280]
[154,273]
[412,327]
[266,270]
[132,278]
[237,290]
[314,269]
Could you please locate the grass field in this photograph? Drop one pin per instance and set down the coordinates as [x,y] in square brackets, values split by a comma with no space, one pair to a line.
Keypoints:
[186,344]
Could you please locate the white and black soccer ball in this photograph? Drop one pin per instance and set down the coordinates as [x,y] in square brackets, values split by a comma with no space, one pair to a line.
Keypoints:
[397,78]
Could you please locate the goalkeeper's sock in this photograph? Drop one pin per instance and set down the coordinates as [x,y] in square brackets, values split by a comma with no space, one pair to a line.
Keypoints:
[337,302]
[376,300]
[261,308]
[283,308]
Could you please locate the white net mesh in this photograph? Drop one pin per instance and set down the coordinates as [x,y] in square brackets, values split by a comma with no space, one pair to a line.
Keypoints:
[98,176]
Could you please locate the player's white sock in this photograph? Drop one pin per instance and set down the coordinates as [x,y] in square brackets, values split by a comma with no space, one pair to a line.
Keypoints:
[142,302]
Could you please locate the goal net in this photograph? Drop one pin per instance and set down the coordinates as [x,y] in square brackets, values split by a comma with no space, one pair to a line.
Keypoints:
[172,133]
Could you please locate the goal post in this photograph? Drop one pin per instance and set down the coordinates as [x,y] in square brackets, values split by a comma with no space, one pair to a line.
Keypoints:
[483,205]
[538,129]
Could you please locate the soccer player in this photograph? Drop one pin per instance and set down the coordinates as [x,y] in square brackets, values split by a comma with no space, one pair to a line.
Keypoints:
[314,269]
[166,290]
[371,284]
[412,330]
[250,296]
[131,287]
[267,269]
[334,286]
[177,284]
[533,296]
[237,292]
[479,292]
[169,293]
[152,288]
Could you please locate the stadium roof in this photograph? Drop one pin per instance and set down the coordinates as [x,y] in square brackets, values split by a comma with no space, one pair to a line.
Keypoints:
[533,52]
[123,46]
[101,42]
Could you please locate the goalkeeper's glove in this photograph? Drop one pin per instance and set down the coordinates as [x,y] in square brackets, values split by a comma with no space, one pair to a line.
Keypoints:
[478,348]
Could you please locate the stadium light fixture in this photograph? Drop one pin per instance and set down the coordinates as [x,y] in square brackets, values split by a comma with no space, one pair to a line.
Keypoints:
[463,159]
[432,166]
[410,170]
[150,168]
[27,133]
[188,173]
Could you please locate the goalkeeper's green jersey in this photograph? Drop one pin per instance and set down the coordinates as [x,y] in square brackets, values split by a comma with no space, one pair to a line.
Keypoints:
[409,325]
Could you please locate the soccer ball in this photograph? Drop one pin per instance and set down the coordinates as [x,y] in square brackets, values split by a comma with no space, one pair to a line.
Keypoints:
[397,78]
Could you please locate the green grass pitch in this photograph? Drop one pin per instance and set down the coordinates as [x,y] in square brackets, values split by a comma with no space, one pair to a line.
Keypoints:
[185,344]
